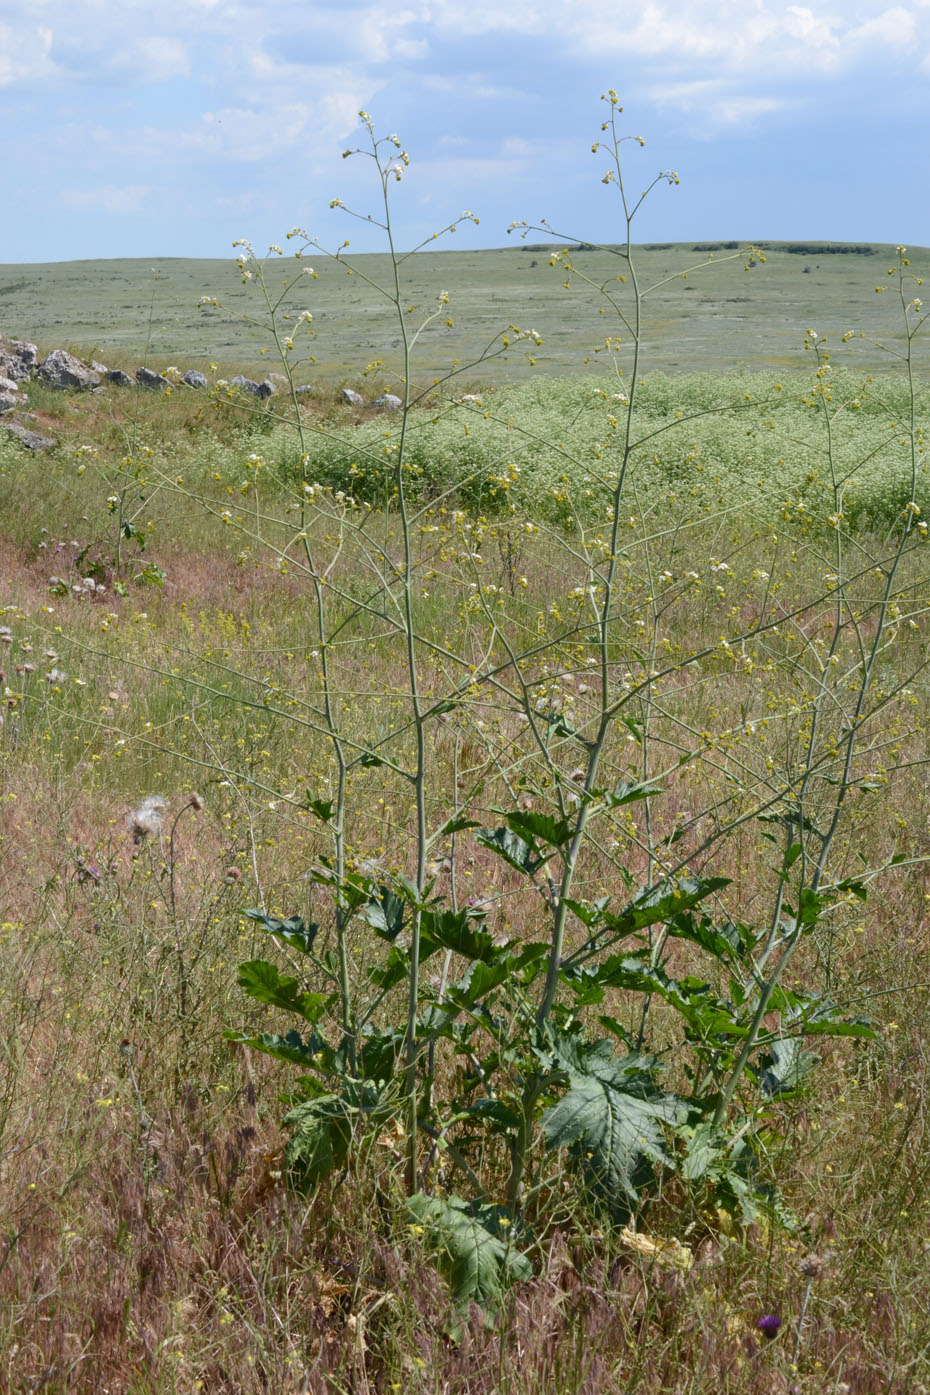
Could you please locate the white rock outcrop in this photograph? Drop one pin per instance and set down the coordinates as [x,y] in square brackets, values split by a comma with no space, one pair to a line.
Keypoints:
[62,370]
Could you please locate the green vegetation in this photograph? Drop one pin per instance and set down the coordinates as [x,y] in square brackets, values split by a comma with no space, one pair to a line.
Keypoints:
[740,436]
[124,310]
[464,871]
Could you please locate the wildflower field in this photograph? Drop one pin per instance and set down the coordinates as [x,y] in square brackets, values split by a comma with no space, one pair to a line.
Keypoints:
[463,870]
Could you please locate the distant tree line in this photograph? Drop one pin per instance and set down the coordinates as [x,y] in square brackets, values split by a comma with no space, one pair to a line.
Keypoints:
[823,249]
[800,249]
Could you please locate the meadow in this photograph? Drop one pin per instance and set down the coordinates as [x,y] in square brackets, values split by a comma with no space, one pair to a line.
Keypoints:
[706,323]
[463,871]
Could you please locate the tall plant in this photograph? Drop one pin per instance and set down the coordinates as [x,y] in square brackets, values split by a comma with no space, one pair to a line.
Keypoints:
[645,1036]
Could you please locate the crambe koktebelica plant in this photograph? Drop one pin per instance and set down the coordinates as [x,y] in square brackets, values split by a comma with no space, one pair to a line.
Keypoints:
[587,778]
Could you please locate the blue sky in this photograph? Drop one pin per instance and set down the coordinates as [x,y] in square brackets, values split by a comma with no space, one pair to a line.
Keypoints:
[170,129]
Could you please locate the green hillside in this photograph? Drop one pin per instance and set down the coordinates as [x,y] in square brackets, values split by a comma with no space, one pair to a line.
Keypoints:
[714,319]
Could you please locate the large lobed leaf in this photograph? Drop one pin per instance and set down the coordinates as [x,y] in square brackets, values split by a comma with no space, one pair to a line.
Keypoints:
[612,1117]
[321,1130]
[263,981]
[474,1243]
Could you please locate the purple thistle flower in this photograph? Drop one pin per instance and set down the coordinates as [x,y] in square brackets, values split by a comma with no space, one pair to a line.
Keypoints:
[769,1325]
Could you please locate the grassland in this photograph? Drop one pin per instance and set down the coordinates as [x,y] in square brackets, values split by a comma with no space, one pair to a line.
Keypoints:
[710,322]
[150,1242]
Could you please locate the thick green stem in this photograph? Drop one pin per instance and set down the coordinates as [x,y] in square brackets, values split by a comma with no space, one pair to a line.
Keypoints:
[411,1046]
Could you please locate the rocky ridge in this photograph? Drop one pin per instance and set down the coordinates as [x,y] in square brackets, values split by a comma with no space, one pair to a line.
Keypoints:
[20,363]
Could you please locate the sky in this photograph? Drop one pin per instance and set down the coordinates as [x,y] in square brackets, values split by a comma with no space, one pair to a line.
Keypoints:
[134,129]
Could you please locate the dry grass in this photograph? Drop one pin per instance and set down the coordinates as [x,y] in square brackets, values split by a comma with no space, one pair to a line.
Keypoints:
[149,1243]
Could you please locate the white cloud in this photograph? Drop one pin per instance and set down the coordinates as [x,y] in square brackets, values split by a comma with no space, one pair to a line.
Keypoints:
[118,37]
[715,103]
[814,31]
[896,27]
[411,49]
[159,57]
[738,111]
[126,199]
[240,134]
[715,35]
[245,133]
[24,53]
[265,129]
[722,37]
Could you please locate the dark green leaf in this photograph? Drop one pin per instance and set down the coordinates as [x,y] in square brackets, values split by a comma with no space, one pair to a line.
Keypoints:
[294,931]
[791,856]
[456,825]
[478,980]
[613,1121]
[659,903]
[321,1132]
[781,1069]
[811,906]
[458,931]
[511,848]
[351,891]
[556,725]
[291,1047]
[726,941]
[393,971]
[385,913]
[475,1246]
[590,913]
[858,889]
[529,825]
[263,981]
[501,1115]
[444,705]
[705,1147]
[616,1028]
[378,1053]
[627,793]
[841,1027]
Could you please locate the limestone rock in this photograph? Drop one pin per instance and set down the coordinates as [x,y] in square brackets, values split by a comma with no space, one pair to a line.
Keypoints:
[351,397]
[244,384]
[17,359]
[62,370]
[30,439]
[118,378]
[387,402]
[194,378]
[10,395]
[147,377]
[302,391]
